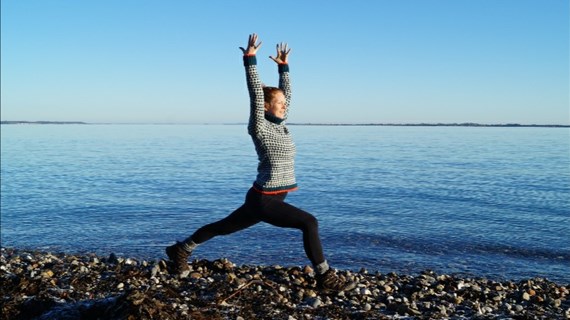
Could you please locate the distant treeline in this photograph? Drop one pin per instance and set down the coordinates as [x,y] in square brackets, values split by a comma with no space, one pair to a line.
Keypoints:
[42,122]
[468,124]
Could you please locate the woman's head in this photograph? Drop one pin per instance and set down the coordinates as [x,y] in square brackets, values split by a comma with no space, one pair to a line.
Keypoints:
[275,102]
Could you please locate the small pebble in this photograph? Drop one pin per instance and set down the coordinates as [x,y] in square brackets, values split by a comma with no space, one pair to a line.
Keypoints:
[316,303]
[526,296]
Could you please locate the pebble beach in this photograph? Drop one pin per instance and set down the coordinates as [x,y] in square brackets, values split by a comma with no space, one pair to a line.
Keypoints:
[50,285]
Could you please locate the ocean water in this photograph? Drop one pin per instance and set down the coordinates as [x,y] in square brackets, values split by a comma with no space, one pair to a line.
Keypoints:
[484,202]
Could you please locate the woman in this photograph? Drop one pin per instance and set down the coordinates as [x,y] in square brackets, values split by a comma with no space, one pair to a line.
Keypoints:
[275,178]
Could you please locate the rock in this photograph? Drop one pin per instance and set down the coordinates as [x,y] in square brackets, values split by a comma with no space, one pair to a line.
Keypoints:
[155,270]
[47,274]
[308,270]
[526,296]
[113,259]
[365,291]
[316,302]
[442,310]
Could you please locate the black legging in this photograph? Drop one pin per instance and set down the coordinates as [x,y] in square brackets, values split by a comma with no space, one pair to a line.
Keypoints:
[273,210]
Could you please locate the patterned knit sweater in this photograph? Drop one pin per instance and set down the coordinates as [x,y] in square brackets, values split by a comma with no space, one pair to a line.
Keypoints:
[273,144]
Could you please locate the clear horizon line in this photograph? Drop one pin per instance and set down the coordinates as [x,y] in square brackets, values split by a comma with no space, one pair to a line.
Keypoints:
[464,124]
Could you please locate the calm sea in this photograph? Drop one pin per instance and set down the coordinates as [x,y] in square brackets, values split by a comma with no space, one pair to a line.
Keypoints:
[489,202]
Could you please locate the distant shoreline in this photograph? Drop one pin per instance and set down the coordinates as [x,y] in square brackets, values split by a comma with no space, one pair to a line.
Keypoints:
[509,125]
[43,122]
[468,124]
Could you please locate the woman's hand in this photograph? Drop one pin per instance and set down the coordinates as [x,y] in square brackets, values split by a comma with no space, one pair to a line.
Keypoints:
[282,53]
[252,47]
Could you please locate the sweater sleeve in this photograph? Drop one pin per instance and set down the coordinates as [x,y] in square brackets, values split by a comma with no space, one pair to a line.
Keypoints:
[285,85]
[257,111]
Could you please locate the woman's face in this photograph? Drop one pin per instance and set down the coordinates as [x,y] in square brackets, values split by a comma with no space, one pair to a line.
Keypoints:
[277,106]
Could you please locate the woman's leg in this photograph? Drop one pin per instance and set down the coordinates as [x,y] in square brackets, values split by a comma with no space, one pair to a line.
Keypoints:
[281,214]
[240,219]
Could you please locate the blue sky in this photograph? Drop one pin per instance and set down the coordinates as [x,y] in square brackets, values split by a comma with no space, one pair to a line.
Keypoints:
[376,61]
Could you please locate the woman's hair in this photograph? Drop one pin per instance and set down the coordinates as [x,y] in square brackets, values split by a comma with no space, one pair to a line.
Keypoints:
[269,93]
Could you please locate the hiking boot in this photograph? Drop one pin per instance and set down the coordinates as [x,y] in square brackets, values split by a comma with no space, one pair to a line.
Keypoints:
[179,258]
[331,281]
